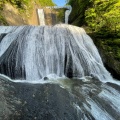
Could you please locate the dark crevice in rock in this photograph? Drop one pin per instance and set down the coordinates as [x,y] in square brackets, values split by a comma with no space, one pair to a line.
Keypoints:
[113,72]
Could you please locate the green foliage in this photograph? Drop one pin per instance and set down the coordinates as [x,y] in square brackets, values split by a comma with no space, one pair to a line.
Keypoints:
[22,3]
[19,3]
[104,15]
[46,3]
[1,4]
[3,21]
[77,16]
[112,46]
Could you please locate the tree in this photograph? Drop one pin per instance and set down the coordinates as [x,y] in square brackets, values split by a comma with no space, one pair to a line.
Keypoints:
[104,15]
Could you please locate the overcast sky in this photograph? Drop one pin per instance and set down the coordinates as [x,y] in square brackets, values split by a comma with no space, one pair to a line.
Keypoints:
[59,2]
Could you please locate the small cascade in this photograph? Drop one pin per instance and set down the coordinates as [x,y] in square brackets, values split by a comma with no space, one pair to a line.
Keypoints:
[41,17]
[34,52]
[67,13]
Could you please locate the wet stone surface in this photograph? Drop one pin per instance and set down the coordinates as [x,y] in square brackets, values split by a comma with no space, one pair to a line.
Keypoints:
[35,102]
[67,100]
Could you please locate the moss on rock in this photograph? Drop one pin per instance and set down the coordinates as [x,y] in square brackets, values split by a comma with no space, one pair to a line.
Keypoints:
[109,50]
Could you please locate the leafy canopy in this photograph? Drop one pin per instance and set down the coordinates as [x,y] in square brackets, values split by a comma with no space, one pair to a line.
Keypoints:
[104,15]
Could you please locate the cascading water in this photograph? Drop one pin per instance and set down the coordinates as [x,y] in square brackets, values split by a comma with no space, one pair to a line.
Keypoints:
[41,16]
[32,53]
[67,13]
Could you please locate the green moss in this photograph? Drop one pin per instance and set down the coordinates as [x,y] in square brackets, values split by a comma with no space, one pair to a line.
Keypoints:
[3,21]
[111,47]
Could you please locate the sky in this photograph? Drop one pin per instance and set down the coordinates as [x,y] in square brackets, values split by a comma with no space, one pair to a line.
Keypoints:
[59,2]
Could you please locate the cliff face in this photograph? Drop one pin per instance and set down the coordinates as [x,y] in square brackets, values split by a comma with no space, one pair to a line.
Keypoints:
[54,16]
[21,12]
[110,55]
[77,17]
[12,15]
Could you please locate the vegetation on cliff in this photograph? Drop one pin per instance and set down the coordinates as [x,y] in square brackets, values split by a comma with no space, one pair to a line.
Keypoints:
[103,16]
[46,3]
[77,17]
[24,3]
[24,7]
[99,15]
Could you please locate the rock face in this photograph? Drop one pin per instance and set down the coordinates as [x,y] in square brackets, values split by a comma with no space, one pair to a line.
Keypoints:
[54,16]
[35,102]
[13,16]
[66,100]
[108,58]
[111,63]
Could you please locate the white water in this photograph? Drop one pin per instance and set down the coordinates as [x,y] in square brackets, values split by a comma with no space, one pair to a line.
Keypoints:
[67,13]
[36,52]
[41,16]
[96,111]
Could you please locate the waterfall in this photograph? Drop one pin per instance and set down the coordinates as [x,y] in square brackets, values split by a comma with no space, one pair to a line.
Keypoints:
[34,52]
[41,17]
[67,13]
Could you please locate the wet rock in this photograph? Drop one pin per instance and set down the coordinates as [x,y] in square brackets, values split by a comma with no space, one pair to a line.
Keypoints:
[46,78]
[68,100]
[36,102]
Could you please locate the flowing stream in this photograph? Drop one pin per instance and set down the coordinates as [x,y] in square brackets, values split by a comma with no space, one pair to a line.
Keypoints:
[54,73]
